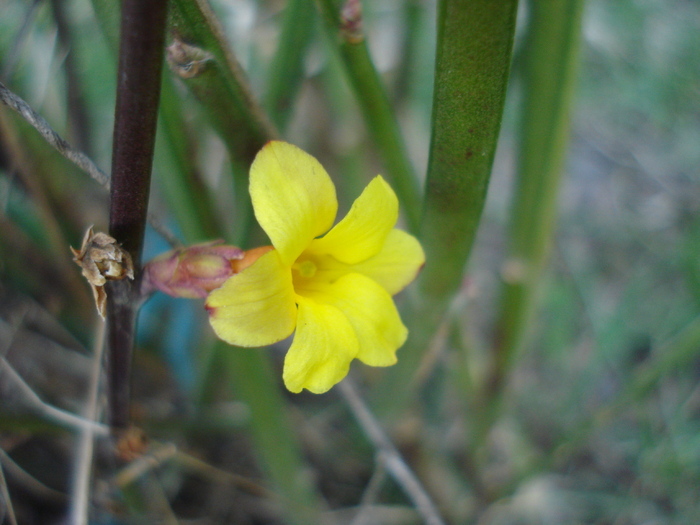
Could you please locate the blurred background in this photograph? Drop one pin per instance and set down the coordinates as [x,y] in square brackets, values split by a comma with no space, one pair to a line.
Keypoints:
[599,421]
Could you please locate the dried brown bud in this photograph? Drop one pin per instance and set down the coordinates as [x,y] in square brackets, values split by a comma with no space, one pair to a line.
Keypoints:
[185,60]
[102,259]
[132,443]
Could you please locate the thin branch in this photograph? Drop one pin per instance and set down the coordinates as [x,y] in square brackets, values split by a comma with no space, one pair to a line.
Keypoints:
[50,412]
[144,464]
[78,513]
[77,157]
[162,453]
[218,475]
[391,458]
[38,122]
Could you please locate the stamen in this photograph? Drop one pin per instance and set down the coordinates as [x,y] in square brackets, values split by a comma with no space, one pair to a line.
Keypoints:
[305,268]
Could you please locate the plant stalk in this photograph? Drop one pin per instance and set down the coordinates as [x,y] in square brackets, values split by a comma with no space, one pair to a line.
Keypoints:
[475,41]
[345,29]
[138,90]
[550,66]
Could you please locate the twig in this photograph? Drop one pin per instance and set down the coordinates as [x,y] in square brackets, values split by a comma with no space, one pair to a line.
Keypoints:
[391,458]
[221,476]
[169,452]
[144,464]
[78,512]
[37,121]
[50,412]
[141,51]
[77,157]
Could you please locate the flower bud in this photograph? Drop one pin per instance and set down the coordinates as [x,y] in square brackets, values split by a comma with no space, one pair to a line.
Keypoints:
[191,272]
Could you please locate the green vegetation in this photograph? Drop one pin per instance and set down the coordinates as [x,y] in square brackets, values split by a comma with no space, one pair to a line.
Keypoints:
[545,154]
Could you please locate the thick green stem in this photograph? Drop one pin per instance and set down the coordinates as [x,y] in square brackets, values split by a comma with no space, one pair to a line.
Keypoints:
[475,41]
[138,91]
[199,54]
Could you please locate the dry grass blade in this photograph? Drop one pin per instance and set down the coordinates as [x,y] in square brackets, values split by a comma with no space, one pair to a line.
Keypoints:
[78,513]
[39,123]
[50,412]
[391,458]
[77,157]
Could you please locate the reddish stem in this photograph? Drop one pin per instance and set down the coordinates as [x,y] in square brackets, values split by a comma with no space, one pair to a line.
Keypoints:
[138,91]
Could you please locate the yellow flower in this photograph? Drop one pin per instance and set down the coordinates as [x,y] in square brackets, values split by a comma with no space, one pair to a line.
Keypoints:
[335,290]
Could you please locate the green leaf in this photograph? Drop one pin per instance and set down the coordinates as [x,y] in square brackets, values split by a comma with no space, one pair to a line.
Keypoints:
[475,41]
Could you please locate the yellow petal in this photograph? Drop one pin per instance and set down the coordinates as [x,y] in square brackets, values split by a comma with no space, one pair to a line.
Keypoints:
[255,307]
[371,312]
[293,197]
[397,264]
[323,347]
[362,232]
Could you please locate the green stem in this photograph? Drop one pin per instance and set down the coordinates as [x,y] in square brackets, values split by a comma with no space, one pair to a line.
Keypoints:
[344,27]
[287,67]
[411,18]
[200,55]
[475,41]
[208,68]
[138,91]
[551,57]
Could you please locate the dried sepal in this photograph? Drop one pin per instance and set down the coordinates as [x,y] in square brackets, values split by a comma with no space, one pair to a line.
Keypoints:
[101,259]
[185,60]
[131,444]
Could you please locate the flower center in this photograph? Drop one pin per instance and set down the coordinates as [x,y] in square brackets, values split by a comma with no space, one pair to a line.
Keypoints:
[305,268]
